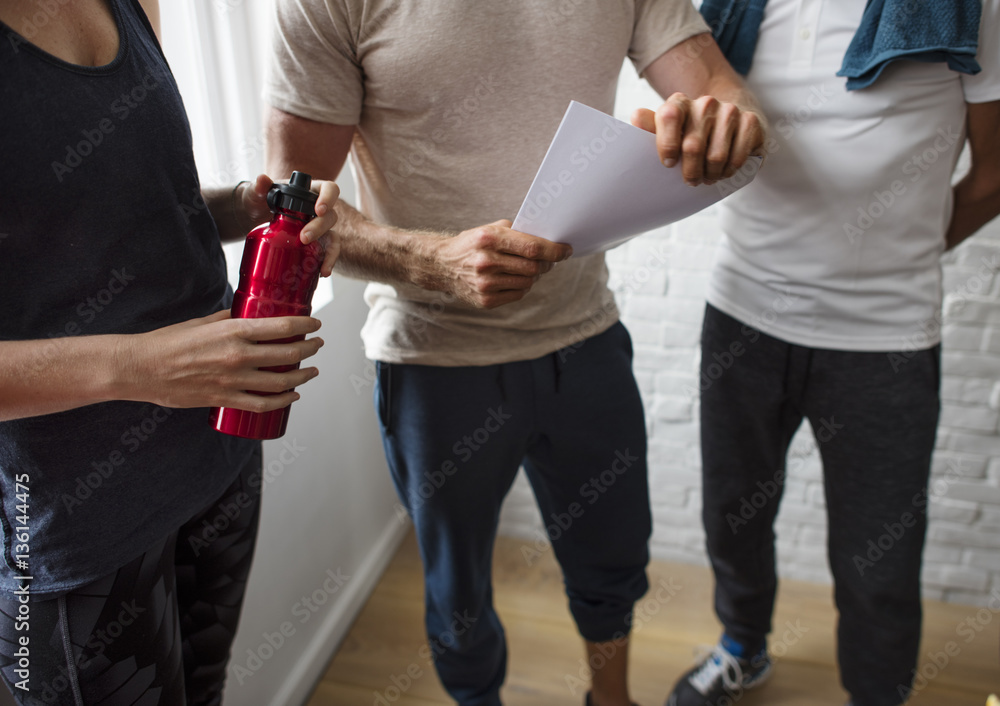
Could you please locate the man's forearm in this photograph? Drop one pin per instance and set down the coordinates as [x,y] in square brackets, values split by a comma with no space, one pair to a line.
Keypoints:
[382,253]
[976,203]
[977,196]
[486,266]
[709,122]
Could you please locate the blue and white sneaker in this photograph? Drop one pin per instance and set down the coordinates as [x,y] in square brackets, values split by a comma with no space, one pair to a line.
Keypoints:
[720,679]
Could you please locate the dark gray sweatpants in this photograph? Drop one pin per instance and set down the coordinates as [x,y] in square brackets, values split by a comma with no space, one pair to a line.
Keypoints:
[874,415]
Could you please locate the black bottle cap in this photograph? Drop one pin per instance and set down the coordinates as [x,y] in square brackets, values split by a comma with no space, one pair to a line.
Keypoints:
[293,196]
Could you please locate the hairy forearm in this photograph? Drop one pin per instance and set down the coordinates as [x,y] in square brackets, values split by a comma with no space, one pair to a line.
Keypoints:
[381,253]
[47,376]
[976,203]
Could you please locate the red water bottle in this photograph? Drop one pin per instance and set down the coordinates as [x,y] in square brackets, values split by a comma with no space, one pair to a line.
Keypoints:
[278,276]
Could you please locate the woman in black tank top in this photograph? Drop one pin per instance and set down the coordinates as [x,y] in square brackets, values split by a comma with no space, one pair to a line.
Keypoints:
[114,337]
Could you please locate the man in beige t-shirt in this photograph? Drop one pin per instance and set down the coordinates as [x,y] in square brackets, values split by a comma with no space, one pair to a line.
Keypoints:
[494,350]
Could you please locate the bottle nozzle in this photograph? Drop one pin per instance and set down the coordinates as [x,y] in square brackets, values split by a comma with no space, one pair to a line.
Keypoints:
[301,180]
[294,196]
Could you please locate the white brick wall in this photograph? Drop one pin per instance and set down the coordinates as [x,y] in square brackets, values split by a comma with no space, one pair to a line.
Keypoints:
[660,280]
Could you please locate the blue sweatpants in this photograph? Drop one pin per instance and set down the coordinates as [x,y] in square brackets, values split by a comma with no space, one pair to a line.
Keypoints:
[455,437]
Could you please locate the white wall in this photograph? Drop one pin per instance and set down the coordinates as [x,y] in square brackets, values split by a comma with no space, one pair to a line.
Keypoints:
[662,306]
[328,509]
[328,515]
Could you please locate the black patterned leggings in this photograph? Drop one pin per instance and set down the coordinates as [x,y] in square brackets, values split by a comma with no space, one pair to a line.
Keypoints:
[157,631]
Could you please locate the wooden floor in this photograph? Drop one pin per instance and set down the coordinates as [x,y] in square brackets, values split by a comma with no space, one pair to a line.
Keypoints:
[384,653]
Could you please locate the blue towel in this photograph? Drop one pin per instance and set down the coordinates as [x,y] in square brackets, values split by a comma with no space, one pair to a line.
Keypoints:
[919,30]
[735,25]
[938,30]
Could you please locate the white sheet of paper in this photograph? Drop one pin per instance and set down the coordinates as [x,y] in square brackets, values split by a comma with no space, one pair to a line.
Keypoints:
[601,183]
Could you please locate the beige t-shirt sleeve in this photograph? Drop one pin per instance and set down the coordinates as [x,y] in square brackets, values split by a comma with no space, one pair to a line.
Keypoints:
[660,25]
[314,72]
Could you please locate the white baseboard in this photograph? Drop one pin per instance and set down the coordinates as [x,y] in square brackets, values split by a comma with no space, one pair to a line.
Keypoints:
[300,682]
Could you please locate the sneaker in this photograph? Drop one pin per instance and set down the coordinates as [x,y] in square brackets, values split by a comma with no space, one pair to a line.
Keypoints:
[720,679]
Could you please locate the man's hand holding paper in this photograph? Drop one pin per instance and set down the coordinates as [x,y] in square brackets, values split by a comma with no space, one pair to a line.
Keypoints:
[711,139]
[604,181]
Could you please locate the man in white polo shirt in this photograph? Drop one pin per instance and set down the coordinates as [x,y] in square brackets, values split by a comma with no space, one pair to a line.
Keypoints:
[825,304]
